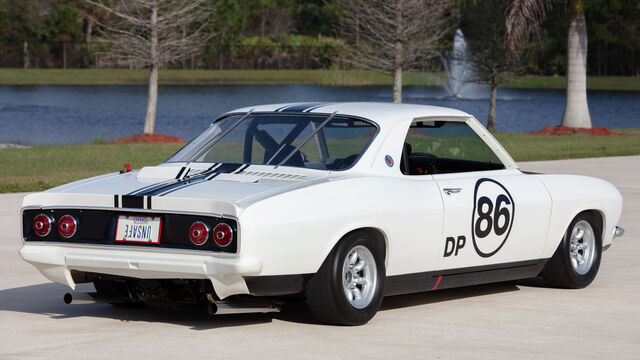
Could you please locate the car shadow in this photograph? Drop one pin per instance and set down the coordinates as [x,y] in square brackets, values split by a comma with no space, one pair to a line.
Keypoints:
[46,299]
[444,295]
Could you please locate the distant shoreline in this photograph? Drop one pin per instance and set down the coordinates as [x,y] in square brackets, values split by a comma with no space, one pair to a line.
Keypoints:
[281,77]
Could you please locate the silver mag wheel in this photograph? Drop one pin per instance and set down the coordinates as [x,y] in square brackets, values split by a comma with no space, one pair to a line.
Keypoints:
[582,247]
[359,277]
[576,261]
[347,289]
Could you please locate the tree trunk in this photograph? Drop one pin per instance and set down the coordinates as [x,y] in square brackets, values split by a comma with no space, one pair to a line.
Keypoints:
[183,60]
[576,112]
[152,101]
[25,54]
[397,86]
[263,20]
[64,54]
[397,77]
[491,121]
[88,30]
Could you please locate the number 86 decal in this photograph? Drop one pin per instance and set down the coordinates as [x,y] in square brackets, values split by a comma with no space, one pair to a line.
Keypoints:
[493,211]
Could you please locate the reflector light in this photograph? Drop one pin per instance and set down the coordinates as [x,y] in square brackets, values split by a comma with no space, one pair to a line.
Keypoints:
[42,225]
[67,226]
[222,234]
[199,233]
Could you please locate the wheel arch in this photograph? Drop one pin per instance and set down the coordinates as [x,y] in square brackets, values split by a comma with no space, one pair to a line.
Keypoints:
[375,232]
[555,237]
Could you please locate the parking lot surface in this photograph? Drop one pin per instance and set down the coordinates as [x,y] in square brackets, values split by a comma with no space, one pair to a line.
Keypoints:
[498,321]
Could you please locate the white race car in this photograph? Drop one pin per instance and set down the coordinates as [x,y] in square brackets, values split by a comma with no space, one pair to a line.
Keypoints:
[342,203]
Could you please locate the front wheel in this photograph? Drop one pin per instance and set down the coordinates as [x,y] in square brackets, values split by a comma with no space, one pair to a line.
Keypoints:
[577,259]
[347,290]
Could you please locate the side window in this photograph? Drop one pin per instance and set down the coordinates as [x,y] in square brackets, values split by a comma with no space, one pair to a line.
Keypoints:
[441,147]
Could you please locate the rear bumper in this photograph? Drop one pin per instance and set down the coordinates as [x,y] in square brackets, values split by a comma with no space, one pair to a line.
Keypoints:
[55,262]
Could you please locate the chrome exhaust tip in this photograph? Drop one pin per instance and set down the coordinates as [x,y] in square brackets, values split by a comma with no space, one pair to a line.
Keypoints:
[217,307]
[88,298]
[618,232]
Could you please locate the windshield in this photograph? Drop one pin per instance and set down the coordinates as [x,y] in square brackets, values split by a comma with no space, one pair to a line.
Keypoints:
[320,142]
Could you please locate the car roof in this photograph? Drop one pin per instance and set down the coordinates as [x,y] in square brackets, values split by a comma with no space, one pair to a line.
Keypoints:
[382,113]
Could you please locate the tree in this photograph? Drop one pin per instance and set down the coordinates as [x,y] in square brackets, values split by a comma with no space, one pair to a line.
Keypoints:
[523,16]
[230,21]
[488,57]
[26,24]
[66,28]
[393,36]
[151,33]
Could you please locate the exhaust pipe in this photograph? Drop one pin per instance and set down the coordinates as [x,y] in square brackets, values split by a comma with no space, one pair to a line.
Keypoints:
[88,298]
[217,307]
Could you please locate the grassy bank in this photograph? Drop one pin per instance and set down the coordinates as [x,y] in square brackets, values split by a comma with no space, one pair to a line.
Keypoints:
[40,168]
[320,77]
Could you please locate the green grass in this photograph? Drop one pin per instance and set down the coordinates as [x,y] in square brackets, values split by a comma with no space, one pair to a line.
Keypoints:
[248,77]
[524,147]
[43,167]
[203,77]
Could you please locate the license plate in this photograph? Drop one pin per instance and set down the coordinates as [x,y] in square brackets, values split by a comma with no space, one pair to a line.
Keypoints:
[138,229]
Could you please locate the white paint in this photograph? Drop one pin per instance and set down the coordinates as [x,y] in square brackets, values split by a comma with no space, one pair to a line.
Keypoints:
[288,225]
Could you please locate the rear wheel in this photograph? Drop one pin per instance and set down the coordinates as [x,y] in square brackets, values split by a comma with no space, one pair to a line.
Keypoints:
[347,290]
[577,259]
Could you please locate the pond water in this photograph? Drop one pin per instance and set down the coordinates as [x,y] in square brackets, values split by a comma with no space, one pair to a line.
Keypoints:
[42,115]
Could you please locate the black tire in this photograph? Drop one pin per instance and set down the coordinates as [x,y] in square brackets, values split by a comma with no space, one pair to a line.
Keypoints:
[326,295]
[560,272]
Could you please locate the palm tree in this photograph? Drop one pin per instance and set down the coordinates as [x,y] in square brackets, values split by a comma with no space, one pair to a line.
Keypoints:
[523,16]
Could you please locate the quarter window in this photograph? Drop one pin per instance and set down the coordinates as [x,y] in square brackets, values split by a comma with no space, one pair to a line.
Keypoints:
[440,147]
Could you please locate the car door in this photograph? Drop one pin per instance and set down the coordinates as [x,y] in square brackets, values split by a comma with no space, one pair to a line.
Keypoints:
[493,214]
[492,217]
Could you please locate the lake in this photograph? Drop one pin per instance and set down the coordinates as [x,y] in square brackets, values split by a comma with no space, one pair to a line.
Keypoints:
[44,115]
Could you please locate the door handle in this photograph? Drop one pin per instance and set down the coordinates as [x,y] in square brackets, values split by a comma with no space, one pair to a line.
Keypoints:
[450,191]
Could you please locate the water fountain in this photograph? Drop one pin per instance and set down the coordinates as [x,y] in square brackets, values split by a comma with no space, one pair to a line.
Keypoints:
[459,69]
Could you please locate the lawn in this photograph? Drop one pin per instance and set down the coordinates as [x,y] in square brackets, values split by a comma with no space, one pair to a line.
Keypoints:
[43,167]
[320,77]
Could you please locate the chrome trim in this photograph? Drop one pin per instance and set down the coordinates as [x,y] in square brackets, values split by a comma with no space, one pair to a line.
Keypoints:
[450,191]
[207,228]
[214,235]
[75,226]
[156,211]
[618,232]
[52,222]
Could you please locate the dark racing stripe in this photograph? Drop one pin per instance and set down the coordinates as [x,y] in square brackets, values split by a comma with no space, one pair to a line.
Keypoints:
[205,176]
[151,189]
[179,176]
[317,107]
[299,107]
[132,201]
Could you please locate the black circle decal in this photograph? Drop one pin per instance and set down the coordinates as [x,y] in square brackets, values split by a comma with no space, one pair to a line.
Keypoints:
[493,213]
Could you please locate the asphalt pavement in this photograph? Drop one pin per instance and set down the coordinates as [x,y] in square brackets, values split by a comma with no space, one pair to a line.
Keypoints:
[498,321]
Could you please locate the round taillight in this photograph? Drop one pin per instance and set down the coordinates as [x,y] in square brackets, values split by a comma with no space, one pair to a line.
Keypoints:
[67,226]
[199,233]
[42,224]
[222,234]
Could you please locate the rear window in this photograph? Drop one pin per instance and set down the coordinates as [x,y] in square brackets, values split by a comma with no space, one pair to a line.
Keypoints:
[310,141]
